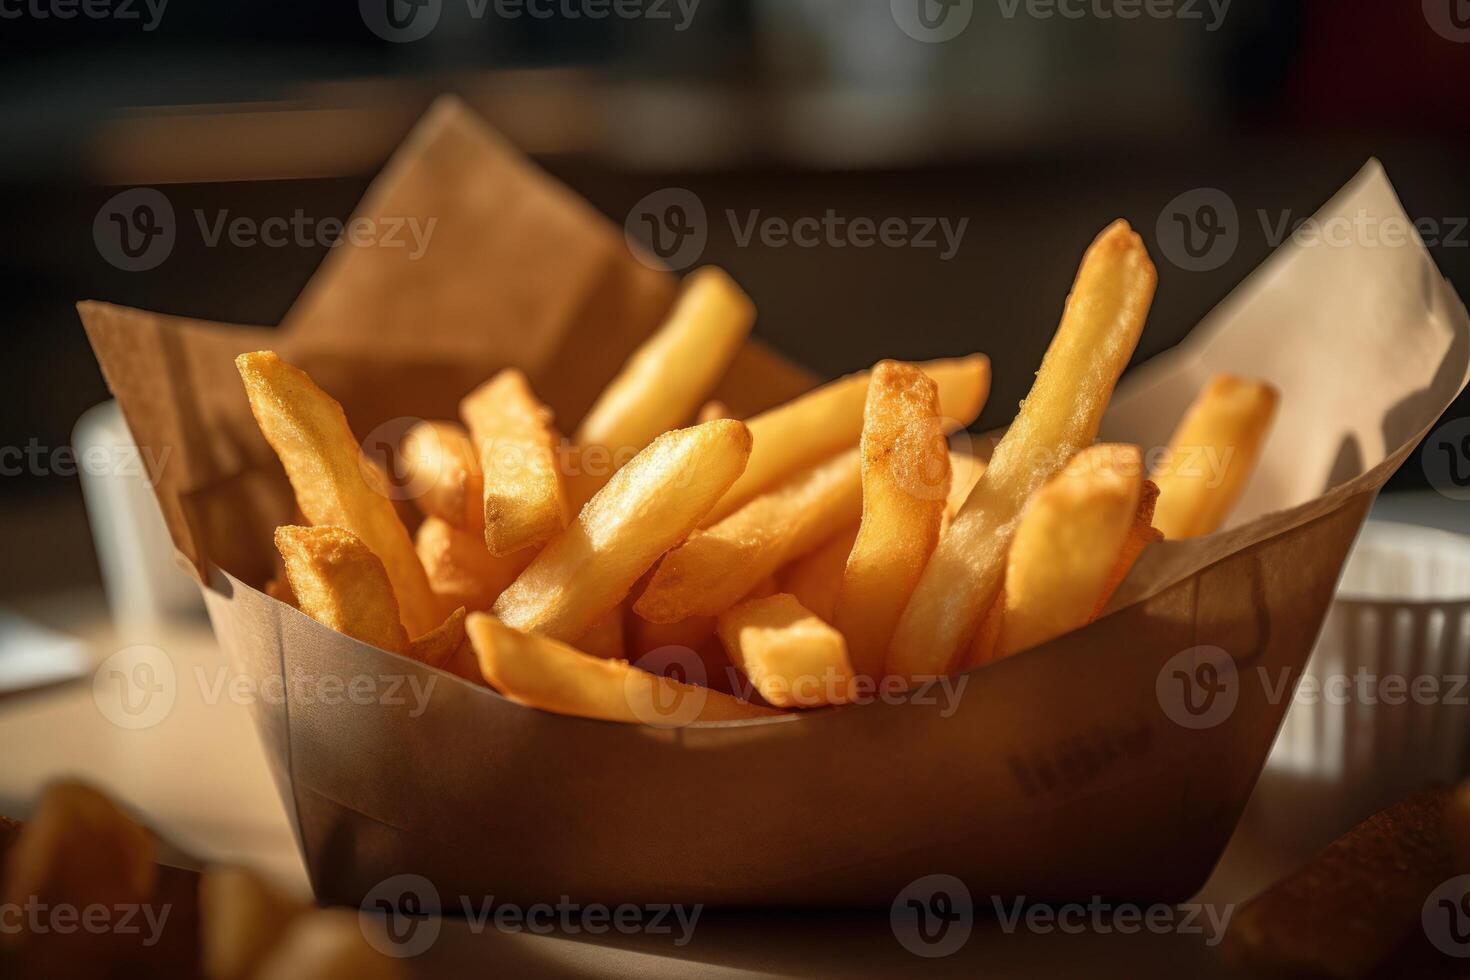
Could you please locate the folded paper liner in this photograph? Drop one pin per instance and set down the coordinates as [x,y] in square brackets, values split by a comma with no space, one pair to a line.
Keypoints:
[1056,774]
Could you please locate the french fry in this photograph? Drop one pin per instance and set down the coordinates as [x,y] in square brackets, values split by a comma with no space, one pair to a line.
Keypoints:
[1350,909]
[648,506]
[461,570]
[543,673]
[443,465]
[987,638]
[334,484]
[1067,544]
[689,633]
[905,480]
[714,409]
[762,589]
[827,420]
[241,919]
[437,647]
[1099,328]
[605,638]
[78,849]
[664,381]
[793,658]
[330,944]
[694,633]
[279,589]
[463,663]
[1140,536]
[717,567]
[986,645]
[965,471]
[340,583]
[816,578]
[525,501]
[1212,455]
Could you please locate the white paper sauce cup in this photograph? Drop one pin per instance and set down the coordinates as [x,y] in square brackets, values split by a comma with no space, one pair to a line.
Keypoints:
[1383,707]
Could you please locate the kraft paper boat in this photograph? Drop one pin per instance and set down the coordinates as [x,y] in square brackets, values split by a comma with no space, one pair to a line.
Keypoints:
[1114,761]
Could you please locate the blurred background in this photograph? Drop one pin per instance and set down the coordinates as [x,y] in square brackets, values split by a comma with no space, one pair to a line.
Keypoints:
[1011,129]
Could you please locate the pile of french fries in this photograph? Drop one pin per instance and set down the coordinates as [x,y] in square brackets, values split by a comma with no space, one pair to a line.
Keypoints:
[805,557]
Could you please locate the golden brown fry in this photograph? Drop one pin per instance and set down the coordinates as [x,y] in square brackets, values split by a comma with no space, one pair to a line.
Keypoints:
[648,506]
[461,570]
[827,420]
[905,477]
[816,578]
[1212,455]
[714,409]
[689,633]
[241,919]
[1067,544]
[1355,904]
[329,944]
[340,583]
[279,588]
[987,638]
[463,663]
[525,501]
[437,647]
[695,633]
[1100,325]
[605,637]
[78,849]
[719,566]
[334,484]
[1140,536]
[793,658]
[663,382]
[544,673]
[444,469]
[965,472]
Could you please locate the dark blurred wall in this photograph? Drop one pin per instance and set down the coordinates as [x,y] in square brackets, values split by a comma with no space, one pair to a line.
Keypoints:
[1033,133]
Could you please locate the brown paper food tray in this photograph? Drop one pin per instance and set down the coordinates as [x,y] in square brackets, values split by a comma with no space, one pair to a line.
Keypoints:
[1056,774]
